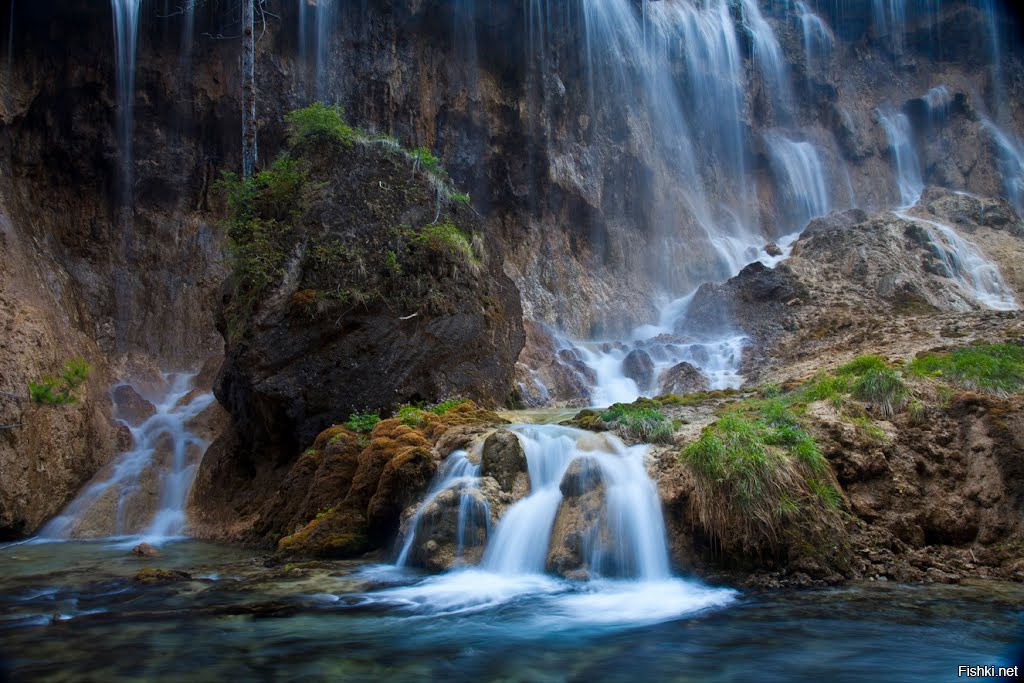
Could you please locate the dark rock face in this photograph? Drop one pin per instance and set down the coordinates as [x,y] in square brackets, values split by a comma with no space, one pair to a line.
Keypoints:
[638,366]
[448,324]
[548,374]
[682,378]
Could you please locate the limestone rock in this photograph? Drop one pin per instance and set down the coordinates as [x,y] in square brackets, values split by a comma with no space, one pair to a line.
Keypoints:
[581,523]
[145,550]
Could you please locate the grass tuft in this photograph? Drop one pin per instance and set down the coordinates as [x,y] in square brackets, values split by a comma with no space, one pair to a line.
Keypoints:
[641,420]
[992,368]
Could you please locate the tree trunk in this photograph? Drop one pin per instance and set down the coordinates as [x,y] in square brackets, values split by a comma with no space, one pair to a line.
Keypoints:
[248,89]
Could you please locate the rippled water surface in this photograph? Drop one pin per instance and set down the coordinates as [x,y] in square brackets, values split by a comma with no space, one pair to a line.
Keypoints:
[71,611]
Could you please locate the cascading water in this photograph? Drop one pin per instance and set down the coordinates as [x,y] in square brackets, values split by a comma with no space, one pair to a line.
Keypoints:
[802,179]
[628,563]
[145,490]
[818,38]
[126,33]
[978,276]
[907,164]
[1010,160]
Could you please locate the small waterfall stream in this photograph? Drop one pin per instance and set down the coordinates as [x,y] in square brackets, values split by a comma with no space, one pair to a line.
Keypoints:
[628,563]
[145,490]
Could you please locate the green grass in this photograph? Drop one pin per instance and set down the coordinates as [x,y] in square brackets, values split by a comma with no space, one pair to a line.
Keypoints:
[459,198]
[993,368]
[362,422]
[761,479]
[641,420]
[446,406]
[883,389]
[445,238]
[426,159]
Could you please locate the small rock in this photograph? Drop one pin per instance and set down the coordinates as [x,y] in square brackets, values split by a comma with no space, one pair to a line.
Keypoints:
[773,249]
[151,576]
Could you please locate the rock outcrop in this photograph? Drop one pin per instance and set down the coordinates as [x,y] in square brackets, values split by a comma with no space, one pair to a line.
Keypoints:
[581,523]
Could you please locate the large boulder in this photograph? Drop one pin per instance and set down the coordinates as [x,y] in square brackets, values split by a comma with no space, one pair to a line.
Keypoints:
[381,300]
[682,378]
[130,406]
[451,529]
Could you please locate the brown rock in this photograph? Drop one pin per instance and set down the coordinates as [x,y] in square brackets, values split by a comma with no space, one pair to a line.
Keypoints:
[145,550]
[130,406]
[504,459]
[638,366]
[581,522]
[153,576]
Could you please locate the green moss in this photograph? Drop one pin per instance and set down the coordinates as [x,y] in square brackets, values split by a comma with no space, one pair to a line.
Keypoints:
[994,368]
[446,406]
[446,239]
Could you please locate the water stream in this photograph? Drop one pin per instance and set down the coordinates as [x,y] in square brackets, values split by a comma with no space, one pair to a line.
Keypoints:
[126,35]
[144,491]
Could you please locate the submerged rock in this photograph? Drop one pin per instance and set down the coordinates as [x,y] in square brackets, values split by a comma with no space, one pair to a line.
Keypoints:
[145,550]
[152,576]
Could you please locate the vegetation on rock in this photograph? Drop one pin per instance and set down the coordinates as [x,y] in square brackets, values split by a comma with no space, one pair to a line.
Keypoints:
[57,391]
[993,368]
[641,420]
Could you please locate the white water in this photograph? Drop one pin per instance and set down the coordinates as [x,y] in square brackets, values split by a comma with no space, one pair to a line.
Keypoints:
[977,275]
[126,33]
[163,435]
[907,164]
[632,582]
[1010,160]
[802,179]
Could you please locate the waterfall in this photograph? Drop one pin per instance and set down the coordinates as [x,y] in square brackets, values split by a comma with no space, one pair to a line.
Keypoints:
[890,21]
[1010,161]
[818,39]
[769,59]
[634,546]
[126,31]
[901,145]
[324,27]
[145,490]
[801,178]
[977,275]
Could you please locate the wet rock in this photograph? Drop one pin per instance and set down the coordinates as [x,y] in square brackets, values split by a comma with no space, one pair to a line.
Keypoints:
[547,374]
[581,522]
[638,366]
[439,546]
[682,378]
[130,406]
[207,375]
[504,459]
[772,249]
[145,550]
[124,439]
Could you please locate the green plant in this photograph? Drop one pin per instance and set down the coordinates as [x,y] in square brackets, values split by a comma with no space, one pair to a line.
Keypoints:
[459,197]
[883,388]
[391,263]
[411,416]
[862,364]
[362,422]
[446,406]
[995,368]
[318,123]
[58,391]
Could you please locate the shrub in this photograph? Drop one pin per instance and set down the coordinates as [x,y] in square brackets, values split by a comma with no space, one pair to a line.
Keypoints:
[318,123]
[994,368]
[459,197]
[362,422]
[410,415]
[426,159]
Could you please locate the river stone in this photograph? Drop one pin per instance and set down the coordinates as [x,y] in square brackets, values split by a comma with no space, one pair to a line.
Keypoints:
[683,378]
[145,550]
[504,459]
[638,366]
[130,406]
[581,520]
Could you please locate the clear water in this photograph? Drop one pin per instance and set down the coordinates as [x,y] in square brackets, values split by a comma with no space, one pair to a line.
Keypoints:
[69,611]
